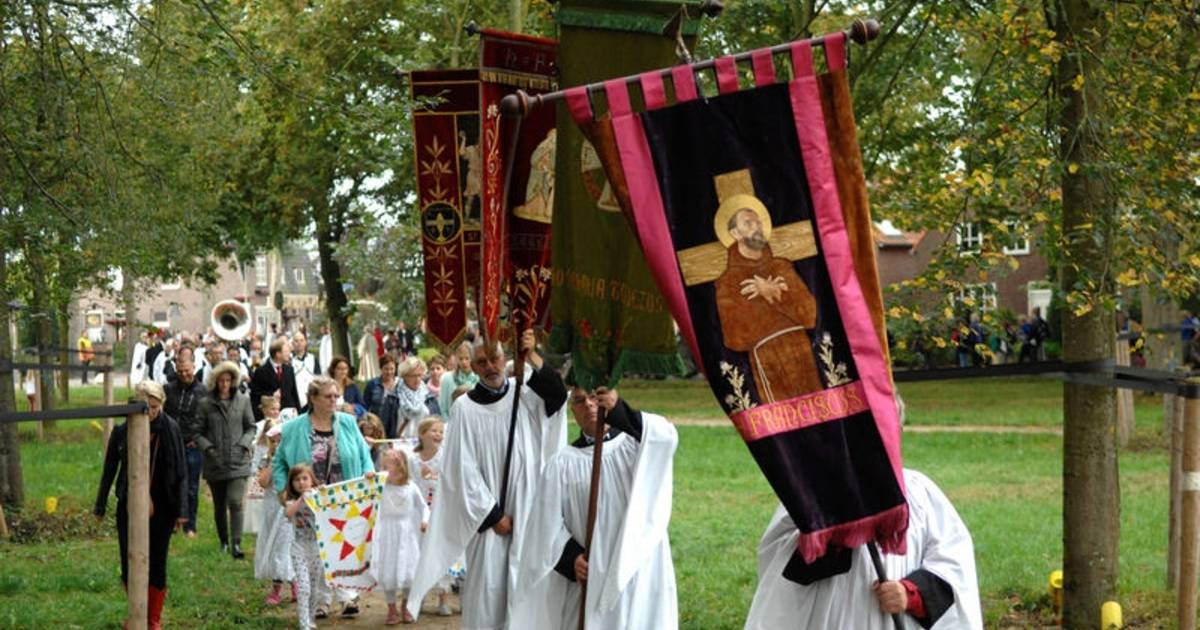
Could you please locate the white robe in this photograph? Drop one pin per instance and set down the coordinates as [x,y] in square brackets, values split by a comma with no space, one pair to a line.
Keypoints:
[472,472]
[395,551]
[305,370]
[632,580]
[137,368]
[325,351]
[938,542]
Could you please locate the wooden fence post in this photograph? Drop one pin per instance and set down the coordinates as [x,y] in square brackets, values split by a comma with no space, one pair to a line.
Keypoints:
[138,501]
[1125,418]
[1173,422]
[1189,561]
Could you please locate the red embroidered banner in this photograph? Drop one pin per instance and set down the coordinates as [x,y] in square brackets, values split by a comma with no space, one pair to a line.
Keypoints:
[516,247]
[449,174]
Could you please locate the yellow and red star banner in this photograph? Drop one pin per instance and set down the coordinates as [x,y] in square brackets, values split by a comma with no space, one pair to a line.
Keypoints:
[346,515]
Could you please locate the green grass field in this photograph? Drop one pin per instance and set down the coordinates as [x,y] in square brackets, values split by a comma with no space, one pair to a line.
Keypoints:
[1007,487]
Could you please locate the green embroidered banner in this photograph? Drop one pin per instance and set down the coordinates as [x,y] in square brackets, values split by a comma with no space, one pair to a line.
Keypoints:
[607,311]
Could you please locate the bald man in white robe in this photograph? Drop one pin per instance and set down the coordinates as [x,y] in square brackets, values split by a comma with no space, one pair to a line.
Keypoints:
[467,514]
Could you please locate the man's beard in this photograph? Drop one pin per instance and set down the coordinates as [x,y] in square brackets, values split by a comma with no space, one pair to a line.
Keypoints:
[755,241]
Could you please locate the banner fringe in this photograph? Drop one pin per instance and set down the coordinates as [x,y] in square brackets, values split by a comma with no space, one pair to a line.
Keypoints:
[888,528]
[518,79]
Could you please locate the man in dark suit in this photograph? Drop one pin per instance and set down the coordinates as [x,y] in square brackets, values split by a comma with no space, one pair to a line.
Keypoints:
[275,375]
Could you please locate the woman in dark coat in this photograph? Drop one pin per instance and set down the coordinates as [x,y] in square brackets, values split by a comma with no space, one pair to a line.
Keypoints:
[226,435]
[383,395]
[168,492]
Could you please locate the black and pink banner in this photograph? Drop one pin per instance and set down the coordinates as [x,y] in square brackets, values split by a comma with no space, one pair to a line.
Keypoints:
[516,275]
[743,207]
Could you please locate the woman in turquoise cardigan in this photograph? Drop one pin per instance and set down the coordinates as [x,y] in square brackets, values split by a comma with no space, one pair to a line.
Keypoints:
[327,440]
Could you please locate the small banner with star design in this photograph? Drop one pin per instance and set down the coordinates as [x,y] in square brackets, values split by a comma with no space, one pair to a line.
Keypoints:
[750,207]
[449,166]
[346,514]
[516,245]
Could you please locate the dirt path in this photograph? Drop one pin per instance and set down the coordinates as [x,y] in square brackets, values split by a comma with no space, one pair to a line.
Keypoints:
[373,612]
[942,428]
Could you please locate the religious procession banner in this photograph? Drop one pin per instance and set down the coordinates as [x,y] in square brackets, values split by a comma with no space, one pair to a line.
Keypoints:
[751,209]
[608,313]
[449,170]
[346,515]
[516,246]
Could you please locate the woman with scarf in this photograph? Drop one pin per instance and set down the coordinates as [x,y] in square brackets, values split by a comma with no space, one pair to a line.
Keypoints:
[226,436]
[168,492]
[415,397]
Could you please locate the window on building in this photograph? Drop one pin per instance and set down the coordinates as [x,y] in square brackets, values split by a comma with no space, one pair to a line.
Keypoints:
[970,237]
[1020,245]
[173,285]
[260,271]
[298,274]
[980,297]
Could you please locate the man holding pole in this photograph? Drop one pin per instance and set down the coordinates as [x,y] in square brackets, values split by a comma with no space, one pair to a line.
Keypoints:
[475,509]
[628,571]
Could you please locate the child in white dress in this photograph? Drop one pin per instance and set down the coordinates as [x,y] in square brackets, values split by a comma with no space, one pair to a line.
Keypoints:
[273,548]
[403,515]
[426,464]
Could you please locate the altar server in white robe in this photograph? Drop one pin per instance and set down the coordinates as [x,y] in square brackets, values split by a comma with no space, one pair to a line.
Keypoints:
[932,586]
[631,581]
[467,514]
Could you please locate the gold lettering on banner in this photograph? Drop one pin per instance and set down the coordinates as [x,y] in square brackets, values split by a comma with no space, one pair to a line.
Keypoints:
[800,412]
[607,289]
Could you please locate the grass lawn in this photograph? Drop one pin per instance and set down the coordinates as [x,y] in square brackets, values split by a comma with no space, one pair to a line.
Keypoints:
[1007,487]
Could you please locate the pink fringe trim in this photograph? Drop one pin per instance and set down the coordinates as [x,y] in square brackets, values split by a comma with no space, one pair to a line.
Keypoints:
[888,528]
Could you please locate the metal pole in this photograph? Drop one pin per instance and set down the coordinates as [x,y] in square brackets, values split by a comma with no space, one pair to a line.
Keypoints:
[1189,563]
[138,502]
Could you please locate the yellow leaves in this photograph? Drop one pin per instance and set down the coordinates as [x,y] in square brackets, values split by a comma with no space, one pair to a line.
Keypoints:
[1072,168]
[1013,263]
[1128,278]
[918,317]
[939,342]
[896,312]
[1077,84]
[1194,95]
[948,313]
[1082,309]
[1043,162]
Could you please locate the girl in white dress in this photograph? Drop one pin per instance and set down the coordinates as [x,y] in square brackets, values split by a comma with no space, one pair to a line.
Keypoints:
[426,464]
[403,515]
[273,548]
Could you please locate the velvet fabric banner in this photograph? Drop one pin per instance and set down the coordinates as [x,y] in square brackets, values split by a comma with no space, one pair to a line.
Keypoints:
[608,313]
[449,169]
[516,245]
[751,209]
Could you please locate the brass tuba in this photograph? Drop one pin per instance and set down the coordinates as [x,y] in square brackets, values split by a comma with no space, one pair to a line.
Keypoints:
[231,320]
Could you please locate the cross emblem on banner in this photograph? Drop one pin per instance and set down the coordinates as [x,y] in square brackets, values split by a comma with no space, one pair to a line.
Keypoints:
[441,222]
[705,263]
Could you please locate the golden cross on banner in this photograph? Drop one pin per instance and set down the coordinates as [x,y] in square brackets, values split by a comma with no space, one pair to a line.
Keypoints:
[439,222]
[735,192]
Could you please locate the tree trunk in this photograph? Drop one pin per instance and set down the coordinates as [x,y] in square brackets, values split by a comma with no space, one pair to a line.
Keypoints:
[43,326]
[335,295]
[12,484]
[516,16]
[63,313]
[1091,489]
[132,330]
[1162,348]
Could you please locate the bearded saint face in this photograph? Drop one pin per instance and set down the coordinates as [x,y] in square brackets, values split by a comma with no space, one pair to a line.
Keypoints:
[748,230]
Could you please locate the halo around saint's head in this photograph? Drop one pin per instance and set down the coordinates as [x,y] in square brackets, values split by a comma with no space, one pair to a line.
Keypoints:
[730,206]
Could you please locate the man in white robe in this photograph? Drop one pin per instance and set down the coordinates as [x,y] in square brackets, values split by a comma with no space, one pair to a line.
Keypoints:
[467,513]
[137,367]
[933,585]
[628,569]
[325,348]
[304,364]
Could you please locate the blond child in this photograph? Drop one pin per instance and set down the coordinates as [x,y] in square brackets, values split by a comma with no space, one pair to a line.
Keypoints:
[403,515]
[273,548]
[306,555]
[372,431]
[426,462]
